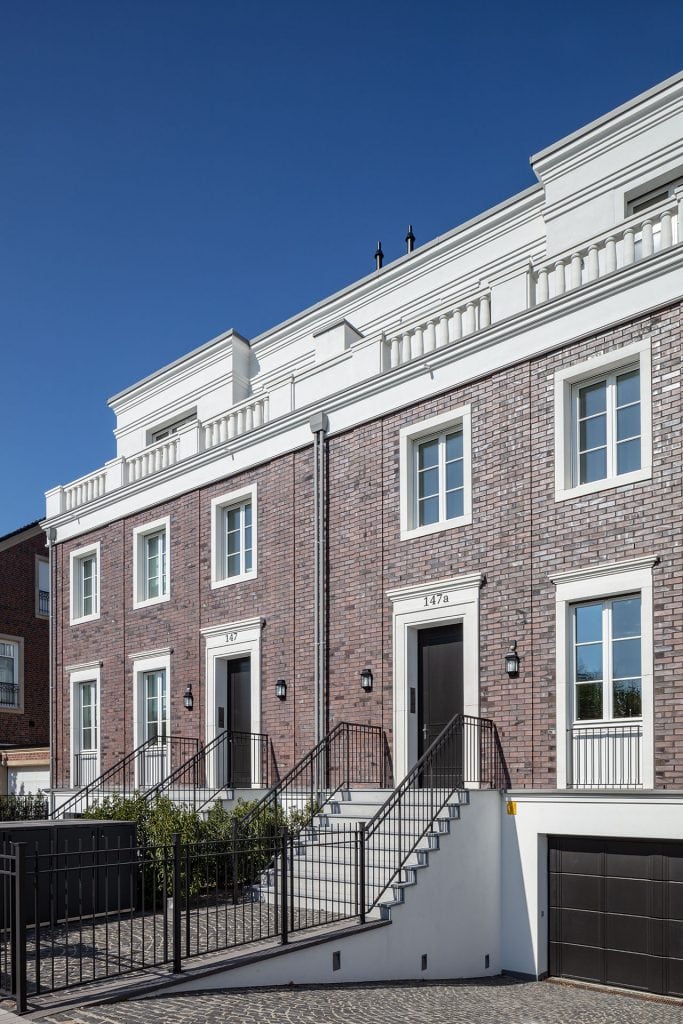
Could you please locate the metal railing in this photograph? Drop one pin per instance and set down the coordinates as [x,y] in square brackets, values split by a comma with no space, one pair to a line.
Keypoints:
[9,695]
[145,766]
[43,602]
[605,756]
[466,753]
[232,760]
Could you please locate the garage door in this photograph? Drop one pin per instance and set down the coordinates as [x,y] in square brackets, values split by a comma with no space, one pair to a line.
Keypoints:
[616,912]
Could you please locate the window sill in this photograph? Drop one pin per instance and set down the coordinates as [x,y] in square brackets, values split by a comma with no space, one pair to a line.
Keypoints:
[12,711]
[604,485]
[84,618]
[230,580]
[426,531]
[151,601]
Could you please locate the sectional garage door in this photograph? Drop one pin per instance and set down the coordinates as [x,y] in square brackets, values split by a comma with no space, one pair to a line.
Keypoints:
[616,912]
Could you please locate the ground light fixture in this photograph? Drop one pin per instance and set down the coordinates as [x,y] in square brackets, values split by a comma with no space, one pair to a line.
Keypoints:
[188,699]
[366,679]
[512,660]
[281,689]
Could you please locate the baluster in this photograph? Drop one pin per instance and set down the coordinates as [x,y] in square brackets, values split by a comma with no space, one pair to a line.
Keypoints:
[240,421]
[542,290]
[418,342]
[560,280]
[430,336]
[648,239]
[576,270]
[457,324]
[629,246]
[485,311]
[405,348]
[666,236]
[395,352]
[470,322]
[442,331]
[679,213]
[250,417]
[258,413]
[593,269]
[610,255]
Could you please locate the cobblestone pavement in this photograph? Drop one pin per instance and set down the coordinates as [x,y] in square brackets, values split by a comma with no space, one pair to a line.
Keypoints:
[495,1001]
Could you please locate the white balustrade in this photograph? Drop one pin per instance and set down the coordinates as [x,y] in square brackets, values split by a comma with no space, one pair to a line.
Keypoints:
[639,237]
[152,460]
[88,488]
[449,326]
[240,420]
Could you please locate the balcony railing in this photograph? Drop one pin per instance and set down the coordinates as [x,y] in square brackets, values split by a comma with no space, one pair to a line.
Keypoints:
[44,602]
[9,695]
[446,328]
[605,756]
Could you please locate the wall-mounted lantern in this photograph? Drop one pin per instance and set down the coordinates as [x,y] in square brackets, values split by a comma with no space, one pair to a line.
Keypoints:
[188,699]
[512,660]
[281,689]
[366,679]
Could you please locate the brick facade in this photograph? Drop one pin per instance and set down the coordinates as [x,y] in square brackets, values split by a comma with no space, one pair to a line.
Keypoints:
[519,535]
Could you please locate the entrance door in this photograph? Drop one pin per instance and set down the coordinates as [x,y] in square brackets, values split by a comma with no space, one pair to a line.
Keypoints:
[155,762]
[440,688]
[233,760]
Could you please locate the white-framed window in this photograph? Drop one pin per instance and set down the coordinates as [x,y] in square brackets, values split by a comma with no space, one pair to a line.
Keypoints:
[42,587]
[603,433]
[436,474]
[604,671]
[161,433]
[85,583]
[233,537]
[11,672]
[151,563]
[85,718]
[651,196]
[152,716]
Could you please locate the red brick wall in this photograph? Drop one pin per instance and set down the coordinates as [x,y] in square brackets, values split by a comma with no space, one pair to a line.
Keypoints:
[519,535]
[30,727]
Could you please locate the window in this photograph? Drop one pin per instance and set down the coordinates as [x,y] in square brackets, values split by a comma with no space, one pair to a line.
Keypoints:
[42,587]
[607,661]
[436,474]
[603,422]
[653,196]
[10,672]
[151,563]
[152,716]
[85,584]
[84,681]
[171,428]
[233,529]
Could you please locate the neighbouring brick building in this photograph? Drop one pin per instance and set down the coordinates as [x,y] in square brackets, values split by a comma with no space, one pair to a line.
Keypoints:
[24,661]
[471,453]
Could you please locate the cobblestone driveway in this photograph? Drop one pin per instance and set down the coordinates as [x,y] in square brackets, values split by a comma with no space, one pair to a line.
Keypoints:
[499,1001]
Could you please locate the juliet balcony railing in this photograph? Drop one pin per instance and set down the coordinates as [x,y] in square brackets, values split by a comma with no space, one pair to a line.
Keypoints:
[44,602]
[9,695]
[605,756]
[446,328]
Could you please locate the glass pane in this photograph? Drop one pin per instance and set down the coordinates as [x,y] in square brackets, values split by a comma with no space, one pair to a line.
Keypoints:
[628,456]
[593,399]
[628,422]
[588,619]
[454,504]
[247,536]
[589,662]
[428,511]
[428,454]
[593,466]
[233,543]
[247,560]
[628,387]
[626,617]
[233,565]
[626,699]
[588,701]
[247,514]
[625,658]
[6,670]
[153,586]
[454,475]
[593,433]
[454,446]
[428,483]
[233,519]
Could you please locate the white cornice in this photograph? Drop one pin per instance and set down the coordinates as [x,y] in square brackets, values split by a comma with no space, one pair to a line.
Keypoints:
[233,627]
[472,580]
[604,569]
[157,652]
[84,666]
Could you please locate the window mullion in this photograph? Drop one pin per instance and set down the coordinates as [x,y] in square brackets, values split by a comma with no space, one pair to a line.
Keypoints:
[442,478]
[575,468]
[611,426]
[607,661]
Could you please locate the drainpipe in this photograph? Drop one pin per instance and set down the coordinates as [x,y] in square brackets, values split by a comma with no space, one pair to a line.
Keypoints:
[51,537]
[319,425]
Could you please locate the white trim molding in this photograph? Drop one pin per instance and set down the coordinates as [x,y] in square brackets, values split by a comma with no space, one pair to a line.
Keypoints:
[565,381]
[422,606]
[84,673]
[151,662]
[139,535]
[233,499]
[591,583]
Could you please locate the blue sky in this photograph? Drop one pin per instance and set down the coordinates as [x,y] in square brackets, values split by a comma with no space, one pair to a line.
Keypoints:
[172,169]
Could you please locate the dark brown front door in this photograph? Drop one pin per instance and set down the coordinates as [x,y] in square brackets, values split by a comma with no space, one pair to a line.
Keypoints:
[616,912]
[239,720]
[439,681]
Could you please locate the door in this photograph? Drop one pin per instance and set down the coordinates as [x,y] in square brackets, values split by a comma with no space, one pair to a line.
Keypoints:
[239,721]
[154,765]
[616,912]
[440,695]
[85,768]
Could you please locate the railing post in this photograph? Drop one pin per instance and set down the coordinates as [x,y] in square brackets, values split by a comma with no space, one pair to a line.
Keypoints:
[360,879]
[284,916]
[176,903]
[19,930]
[235,863]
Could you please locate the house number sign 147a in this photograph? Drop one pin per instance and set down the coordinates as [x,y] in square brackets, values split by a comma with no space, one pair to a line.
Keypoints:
[434,599]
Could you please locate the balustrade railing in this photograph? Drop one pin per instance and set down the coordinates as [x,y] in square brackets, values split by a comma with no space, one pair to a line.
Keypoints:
[248,416]
[152,459]
[638,237]
[88,488]
[605,756]
[437,332]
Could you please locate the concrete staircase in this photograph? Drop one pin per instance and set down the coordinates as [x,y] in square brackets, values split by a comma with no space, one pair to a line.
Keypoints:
[324,859]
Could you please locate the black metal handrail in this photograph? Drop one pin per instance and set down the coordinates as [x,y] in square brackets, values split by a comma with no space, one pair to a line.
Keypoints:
[137,770]
[230,760]
[466,753]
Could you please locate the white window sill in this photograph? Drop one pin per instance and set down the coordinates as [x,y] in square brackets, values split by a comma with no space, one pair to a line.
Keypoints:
[604,485]
[230,580]
[151,601]
[12,711]
[446,524]
[602,723]
[84,618]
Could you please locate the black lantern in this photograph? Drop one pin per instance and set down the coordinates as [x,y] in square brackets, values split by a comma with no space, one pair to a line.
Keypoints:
[281,689]
[366,679]
[512,660]
[188,699]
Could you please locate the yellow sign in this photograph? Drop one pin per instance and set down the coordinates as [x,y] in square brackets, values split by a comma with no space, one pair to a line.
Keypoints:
[511,807]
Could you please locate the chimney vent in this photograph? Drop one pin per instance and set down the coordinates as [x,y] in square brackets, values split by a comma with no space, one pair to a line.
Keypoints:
[410,239]
[379,256]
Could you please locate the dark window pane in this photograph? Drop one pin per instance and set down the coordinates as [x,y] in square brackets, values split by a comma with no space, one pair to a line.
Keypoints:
[588,701]
[247,514]
[628,422]
[626,658]
[626,617]
[247,536]
[454,446]
[593,433]
[233,518]
[626,699]
[628,387]
[233,543]
[628,456]
[589,662]
[428,454]
[593,399]
[588,622]
[233,565]
[247,560]
[454,504]
[454,475]
[593,466]
[429,511]
[428,483]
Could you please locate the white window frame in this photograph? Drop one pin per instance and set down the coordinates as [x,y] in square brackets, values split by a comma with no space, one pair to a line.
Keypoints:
[218,506]
[42,560]
[410,437]
[566,383]
[140,534]
[18,708]
[77,675]
[603,581]
[606,643]
[75,558]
